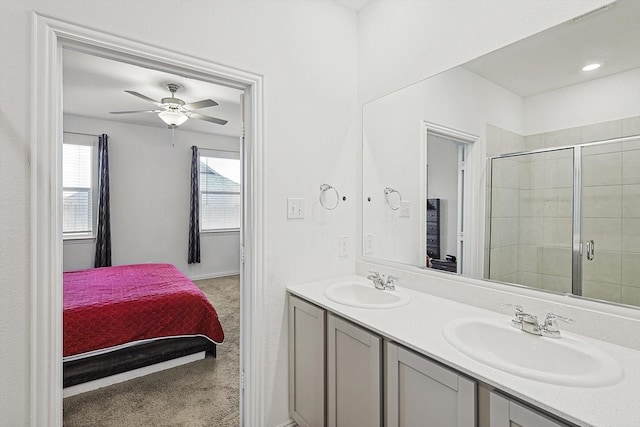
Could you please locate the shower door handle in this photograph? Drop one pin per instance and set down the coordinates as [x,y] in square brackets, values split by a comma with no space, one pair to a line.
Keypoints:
[590,250]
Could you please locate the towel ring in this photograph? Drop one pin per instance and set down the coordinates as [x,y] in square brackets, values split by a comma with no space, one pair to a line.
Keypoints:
[323,189]
[388,191]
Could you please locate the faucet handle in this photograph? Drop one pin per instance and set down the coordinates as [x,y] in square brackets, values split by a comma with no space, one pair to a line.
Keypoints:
[550,327]
[390,284]
[517,308]
[550,320]
[516,322]
[374,273]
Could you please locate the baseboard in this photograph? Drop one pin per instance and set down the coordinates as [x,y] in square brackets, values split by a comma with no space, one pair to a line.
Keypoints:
[289,423]
[215,275]
[129,375]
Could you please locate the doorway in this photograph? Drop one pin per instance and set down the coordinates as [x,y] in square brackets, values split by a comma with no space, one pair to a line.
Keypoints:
[443,181]
[51,37]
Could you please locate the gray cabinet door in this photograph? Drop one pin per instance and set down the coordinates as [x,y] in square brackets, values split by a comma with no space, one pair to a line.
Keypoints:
[354,388]
[507,413]
[306,363]
[420,392]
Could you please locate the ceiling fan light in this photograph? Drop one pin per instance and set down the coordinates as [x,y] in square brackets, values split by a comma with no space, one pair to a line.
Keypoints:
[173,118]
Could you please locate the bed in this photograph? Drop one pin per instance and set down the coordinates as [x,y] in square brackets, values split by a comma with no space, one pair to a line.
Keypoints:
[126,317]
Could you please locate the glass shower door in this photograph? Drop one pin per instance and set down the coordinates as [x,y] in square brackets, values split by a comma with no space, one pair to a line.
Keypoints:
[610,220]
[531,220]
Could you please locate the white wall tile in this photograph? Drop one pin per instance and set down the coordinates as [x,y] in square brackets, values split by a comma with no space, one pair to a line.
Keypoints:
[601,131]
[531,203]
[556,261]
[558,202]
[631,269]
[561,138]
[530,258]
[631,126]
[558,173]
[599,290]
[630,296]
[602,202]
[631,167]
[531,231]
[631,201]
[602,169]
[631,235]
[605,267]
[504,232]
[557,232]
[556,283]
[533,280]
[605,232]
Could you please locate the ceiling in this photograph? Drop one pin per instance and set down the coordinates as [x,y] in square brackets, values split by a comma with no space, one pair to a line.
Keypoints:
[94,86]
[355,5]
[554,58]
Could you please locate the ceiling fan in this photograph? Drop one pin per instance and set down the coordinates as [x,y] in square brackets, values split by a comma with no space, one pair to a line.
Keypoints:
[173,111]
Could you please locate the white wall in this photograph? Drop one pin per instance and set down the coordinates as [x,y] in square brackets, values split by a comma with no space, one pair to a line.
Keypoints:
[150,200]
[307,53]
[404,41]
[393,154]
[608,98]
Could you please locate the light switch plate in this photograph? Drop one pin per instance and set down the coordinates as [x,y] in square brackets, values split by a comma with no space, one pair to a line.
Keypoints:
[295,208]
[405,209]
[369,244]
[343,242]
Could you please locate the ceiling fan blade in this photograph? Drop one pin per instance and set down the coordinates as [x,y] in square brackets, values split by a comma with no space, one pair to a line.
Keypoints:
[137,111]
[208,118]
[139,95]
[201,104]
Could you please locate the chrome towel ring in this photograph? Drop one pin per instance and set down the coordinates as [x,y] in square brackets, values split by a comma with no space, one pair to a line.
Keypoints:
[390,198]
[327,205]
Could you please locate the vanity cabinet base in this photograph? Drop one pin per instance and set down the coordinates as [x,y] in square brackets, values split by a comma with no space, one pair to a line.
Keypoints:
[419,392]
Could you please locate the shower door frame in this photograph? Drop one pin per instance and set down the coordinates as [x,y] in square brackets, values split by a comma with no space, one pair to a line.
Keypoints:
[576,219]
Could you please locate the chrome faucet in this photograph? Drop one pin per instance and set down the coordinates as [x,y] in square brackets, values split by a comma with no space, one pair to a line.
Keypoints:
[381,282]
[529,323]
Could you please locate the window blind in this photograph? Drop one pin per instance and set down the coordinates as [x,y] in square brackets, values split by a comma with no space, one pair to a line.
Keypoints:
[219,191]
[77,195]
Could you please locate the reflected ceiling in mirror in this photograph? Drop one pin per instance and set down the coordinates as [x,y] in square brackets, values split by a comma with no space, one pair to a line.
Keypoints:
[531,96]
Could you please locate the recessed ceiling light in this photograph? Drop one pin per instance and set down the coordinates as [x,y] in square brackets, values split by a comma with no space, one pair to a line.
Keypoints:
[591,67]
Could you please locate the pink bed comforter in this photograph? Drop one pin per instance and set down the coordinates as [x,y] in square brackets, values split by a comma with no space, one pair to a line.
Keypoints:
[111,306]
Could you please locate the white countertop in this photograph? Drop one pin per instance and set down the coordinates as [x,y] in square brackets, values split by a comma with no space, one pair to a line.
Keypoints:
[419,324]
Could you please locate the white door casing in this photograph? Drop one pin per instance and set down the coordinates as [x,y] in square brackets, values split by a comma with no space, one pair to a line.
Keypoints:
[50,36]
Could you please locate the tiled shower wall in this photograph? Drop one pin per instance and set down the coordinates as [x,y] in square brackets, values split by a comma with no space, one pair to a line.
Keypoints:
[532,210]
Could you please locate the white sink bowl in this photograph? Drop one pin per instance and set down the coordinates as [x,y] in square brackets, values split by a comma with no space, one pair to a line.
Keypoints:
[564,361]
[365,295]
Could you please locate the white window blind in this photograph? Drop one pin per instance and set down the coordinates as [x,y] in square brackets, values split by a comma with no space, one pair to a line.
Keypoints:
[219,190]
[77,192]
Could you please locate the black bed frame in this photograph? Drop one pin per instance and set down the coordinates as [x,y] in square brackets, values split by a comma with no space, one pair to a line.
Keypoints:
[137,356]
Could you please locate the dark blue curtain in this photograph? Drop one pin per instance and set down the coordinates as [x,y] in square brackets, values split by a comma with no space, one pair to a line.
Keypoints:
[103,232]
[194,209]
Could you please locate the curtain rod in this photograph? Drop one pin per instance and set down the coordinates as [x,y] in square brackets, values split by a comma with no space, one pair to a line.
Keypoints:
[80,133]
[218,149]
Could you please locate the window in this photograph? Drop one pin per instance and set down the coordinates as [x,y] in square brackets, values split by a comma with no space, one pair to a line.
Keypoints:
[219,190]
[77,190]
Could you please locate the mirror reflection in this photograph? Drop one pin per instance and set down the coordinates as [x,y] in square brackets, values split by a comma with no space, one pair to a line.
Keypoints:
[518,166]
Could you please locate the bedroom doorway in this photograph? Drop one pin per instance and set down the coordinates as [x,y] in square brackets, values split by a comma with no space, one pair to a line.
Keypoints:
[52,39]
[149,172]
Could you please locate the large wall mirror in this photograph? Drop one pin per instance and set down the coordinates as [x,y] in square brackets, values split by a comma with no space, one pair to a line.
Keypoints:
[521,166]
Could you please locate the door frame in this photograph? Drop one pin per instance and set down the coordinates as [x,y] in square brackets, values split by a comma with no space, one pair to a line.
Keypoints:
[50,36]
[464,141]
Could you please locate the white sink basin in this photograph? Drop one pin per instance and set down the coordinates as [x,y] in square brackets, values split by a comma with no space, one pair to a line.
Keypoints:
[564,361]
[365,295]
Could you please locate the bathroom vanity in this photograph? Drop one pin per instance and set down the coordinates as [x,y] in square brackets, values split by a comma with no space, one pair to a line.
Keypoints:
[372,366]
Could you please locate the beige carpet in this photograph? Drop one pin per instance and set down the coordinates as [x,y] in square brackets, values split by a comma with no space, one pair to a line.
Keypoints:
[202,393]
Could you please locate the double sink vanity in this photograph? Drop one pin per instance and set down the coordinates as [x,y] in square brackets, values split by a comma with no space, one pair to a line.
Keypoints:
[362,355]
